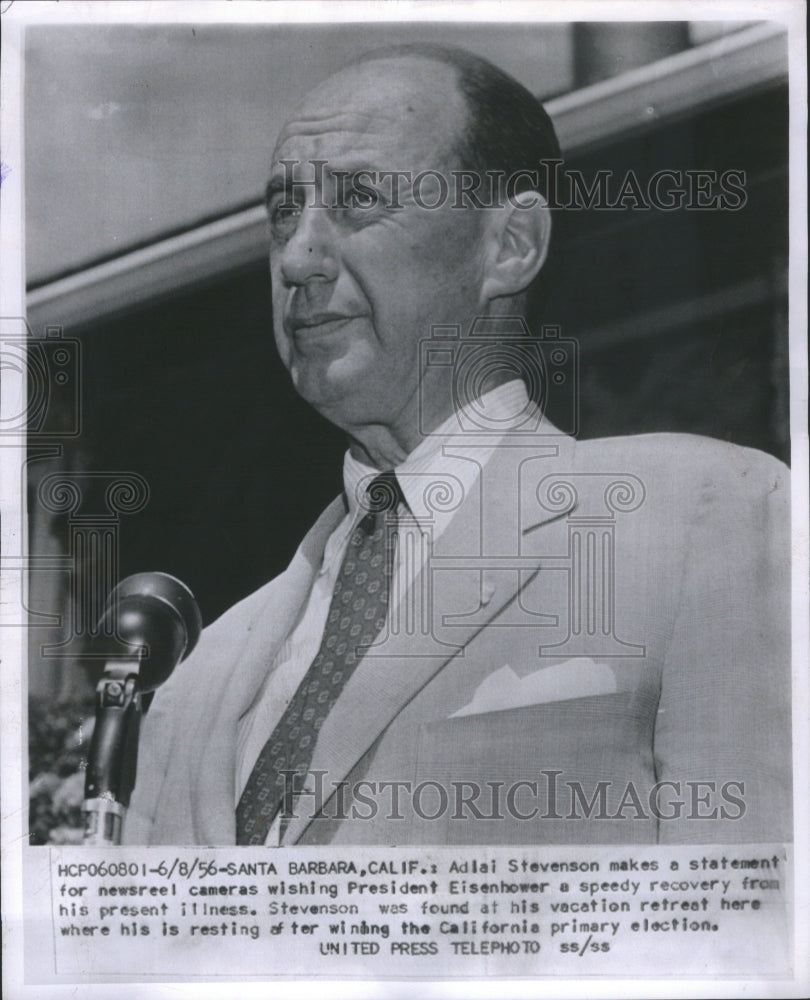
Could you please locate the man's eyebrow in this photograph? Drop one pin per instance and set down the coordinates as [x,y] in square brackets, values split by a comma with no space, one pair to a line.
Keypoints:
[276,185]
[351,167]
[284,184]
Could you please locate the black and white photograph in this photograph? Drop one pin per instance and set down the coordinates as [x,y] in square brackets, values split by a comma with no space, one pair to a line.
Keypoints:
[404,454]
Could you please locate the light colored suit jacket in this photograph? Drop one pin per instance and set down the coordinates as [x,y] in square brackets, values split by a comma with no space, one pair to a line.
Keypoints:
[602,633]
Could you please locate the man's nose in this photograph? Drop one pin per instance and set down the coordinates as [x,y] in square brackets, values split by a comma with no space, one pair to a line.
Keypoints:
[310,254]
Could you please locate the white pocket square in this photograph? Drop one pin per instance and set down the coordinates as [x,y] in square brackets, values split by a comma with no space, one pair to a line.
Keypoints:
[580,677]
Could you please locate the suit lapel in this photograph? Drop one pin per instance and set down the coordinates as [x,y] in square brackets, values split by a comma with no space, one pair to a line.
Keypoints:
[214,773]
[397,668]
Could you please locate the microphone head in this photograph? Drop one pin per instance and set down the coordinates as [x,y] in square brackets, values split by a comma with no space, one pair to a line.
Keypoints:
[158,612]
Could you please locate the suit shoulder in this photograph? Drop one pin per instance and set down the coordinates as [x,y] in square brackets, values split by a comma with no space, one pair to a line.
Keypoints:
[693,461]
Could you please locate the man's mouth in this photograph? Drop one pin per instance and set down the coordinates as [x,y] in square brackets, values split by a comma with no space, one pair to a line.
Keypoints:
[319,324]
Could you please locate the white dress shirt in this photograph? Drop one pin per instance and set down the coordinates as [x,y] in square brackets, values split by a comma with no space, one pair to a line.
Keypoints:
[426,464]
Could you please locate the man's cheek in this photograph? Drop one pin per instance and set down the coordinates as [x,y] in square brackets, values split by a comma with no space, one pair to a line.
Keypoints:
[283,344]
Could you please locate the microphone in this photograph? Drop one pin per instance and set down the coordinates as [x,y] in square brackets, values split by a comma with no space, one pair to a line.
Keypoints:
[157,623]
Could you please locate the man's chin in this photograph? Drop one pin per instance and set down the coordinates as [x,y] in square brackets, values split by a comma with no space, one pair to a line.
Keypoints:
[336,399]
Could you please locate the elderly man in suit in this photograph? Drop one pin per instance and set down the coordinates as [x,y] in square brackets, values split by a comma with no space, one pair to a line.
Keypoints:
[496,634]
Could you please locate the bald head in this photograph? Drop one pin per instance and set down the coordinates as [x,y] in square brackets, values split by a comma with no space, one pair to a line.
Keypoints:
[414,99]
[505,128]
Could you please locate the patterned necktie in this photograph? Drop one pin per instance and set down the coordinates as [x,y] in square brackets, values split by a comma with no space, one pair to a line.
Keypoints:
[356,616]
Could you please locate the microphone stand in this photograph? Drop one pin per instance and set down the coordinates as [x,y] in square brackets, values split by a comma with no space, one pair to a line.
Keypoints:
[113,756]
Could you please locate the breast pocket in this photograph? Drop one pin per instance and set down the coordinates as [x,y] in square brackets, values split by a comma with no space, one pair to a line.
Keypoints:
[544,773]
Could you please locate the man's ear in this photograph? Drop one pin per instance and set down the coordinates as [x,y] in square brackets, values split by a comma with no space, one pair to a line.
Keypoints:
[518,240]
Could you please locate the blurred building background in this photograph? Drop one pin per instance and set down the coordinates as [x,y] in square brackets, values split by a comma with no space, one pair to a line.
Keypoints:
[147,150]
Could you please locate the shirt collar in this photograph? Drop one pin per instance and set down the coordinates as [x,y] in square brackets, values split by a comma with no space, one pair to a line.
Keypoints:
[428,467]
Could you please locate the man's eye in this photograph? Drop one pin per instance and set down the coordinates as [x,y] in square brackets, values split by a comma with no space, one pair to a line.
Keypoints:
[284,216]
[359,205]
[363,199]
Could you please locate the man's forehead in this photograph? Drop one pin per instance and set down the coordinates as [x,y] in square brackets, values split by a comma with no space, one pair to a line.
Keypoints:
[389,104]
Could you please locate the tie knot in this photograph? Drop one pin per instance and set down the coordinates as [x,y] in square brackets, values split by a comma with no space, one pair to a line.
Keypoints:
[382,493]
